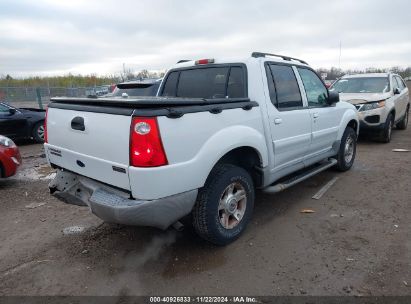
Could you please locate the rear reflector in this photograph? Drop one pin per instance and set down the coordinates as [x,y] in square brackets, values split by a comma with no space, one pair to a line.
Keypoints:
[146,148]
[204,61]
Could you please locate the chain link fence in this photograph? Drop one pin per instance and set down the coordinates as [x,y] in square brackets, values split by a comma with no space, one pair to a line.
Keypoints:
[40,97]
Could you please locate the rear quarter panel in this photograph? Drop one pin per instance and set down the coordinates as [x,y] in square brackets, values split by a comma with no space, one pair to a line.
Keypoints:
[194,143]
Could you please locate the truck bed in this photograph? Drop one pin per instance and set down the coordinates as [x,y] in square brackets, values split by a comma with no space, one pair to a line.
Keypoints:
[101,149]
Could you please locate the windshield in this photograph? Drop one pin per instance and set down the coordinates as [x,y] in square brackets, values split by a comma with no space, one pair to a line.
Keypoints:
[145,91]
[362,85]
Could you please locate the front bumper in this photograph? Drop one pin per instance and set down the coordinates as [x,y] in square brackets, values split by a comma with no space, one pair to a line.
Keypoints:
[116,206]
[366,127]
[372,120]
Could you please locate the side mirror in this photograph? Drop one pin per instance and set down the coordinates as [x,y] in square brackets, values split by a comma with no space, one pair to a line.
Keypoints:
[397,91]
[12,111]
[333,97]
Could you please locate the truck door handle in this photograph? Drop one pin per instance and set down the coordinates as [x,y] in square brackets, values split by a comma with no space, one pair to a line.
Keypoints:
[277,121]
[315,115]
[77,123]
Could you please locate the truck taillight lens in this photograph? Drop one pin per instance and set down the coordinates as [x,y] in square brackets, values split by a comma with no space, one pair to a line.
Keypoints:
[146,148]
[45,127]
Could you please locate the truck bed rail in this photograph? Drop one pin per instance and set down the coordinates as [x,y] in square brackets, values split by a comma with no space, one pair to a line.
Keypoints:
[152,106]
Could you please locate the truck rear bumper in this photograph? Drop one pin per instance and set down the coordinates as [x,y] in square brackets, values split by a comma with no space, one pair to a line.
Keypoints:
[115,206]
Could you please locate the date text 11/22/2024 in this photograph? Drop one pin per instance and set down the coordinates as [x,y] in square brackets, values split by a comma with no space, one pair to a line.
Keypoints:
[203,299]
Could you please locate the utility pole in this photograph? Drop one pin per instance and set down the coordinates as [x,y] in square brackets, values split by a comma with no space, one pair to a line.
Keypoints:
[123,77]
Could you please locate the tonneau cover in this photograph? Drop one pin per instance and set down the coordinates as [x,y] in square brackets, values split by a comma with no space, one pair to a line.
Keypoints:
[137,102]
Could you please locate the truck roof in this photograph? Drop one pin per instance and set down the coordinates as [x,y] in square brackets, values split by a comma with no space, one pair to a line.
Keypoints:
[255,56]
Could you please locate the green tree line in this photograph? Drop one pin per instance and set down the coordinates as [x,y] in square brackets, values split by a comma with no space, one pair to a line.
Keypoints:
[74,81]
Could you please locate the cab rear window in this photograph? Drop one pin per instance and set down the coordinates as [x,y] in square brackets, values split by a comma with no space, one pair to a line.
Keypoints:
[209,83]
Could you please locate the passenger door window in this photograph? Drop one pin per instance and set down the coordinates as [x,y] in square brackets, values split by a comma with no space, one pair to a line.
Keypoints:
[315,90]
[401,84]
[284,90]
[394,83]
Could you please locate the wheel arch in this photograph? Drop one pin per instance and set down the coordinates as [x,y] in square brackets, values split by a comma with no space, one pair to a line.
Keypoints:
[392,111]
[350,118]
[354,124]
[247,158]
[240,145]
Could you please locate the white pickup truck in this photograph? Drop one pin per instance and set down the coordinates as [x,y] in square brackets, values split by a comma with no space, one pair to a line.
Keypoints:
[217,130]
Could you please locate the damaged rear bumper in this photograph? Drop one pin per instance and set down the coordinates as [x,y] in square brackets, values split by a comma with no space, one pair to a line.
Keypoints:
[115,206]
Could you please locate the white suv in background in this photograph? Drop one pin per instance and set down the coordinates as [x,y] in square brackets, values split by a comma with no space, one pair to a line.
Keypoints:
[382,101]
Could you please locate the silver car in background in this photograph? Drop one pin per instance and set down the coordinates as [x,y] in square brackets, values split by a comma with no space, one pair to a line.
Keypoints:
[382,101]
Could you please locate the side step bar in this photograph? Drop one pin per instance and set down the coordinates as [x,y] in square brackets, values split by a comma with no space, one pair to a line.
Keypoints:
[301,177]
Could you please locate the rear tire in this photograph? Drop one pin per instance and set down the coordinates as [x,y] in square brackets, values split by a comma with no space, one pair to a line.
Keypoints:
[347,151]
[386,133]
[38,132]
[402,125]
[224,205]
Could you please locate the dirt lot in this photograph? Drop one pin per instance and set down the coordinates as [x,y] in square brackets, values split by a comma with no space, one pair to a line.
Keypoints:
[358,241]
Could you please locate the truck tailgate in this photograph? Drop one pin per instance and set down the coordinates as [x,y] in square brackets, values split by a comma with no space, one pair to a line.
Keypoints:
[100,151]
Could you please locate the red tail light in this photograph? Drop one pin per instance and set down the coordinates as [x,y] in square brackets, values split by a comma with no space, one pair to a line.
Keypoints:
[146,148]
[45,127]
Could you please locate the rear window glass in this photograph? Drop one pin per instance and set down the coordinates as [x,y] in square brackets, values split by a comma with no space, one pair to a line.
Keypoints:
[203,83]
[171,84]
[209,83]
[235,87]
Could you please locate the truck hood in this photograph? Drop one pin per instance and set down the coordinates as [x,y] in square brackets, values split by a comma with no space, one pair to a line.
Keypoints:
[357,98]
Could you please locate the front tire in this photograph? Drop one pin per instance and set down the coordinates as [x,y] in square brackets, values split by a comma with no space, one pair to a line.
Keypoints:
[402,125]
[38,132]
[386,133]
[224,205]
[347,151]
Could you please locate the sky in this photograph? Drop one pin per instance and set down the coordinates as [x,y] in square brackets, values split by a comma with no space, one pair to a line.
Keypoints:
[55,37]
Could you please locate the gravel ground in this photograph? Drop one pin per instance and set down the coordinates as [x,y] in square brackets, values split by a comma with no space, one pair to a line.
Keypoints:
[357,242]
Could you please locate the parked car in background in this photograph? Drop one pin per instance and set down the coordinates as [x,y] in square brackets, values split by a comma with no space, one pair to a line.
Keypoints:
[382,101]
[217,130]
[10,158]
[144,87]
[19,123]
[328,83]
[102,90]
